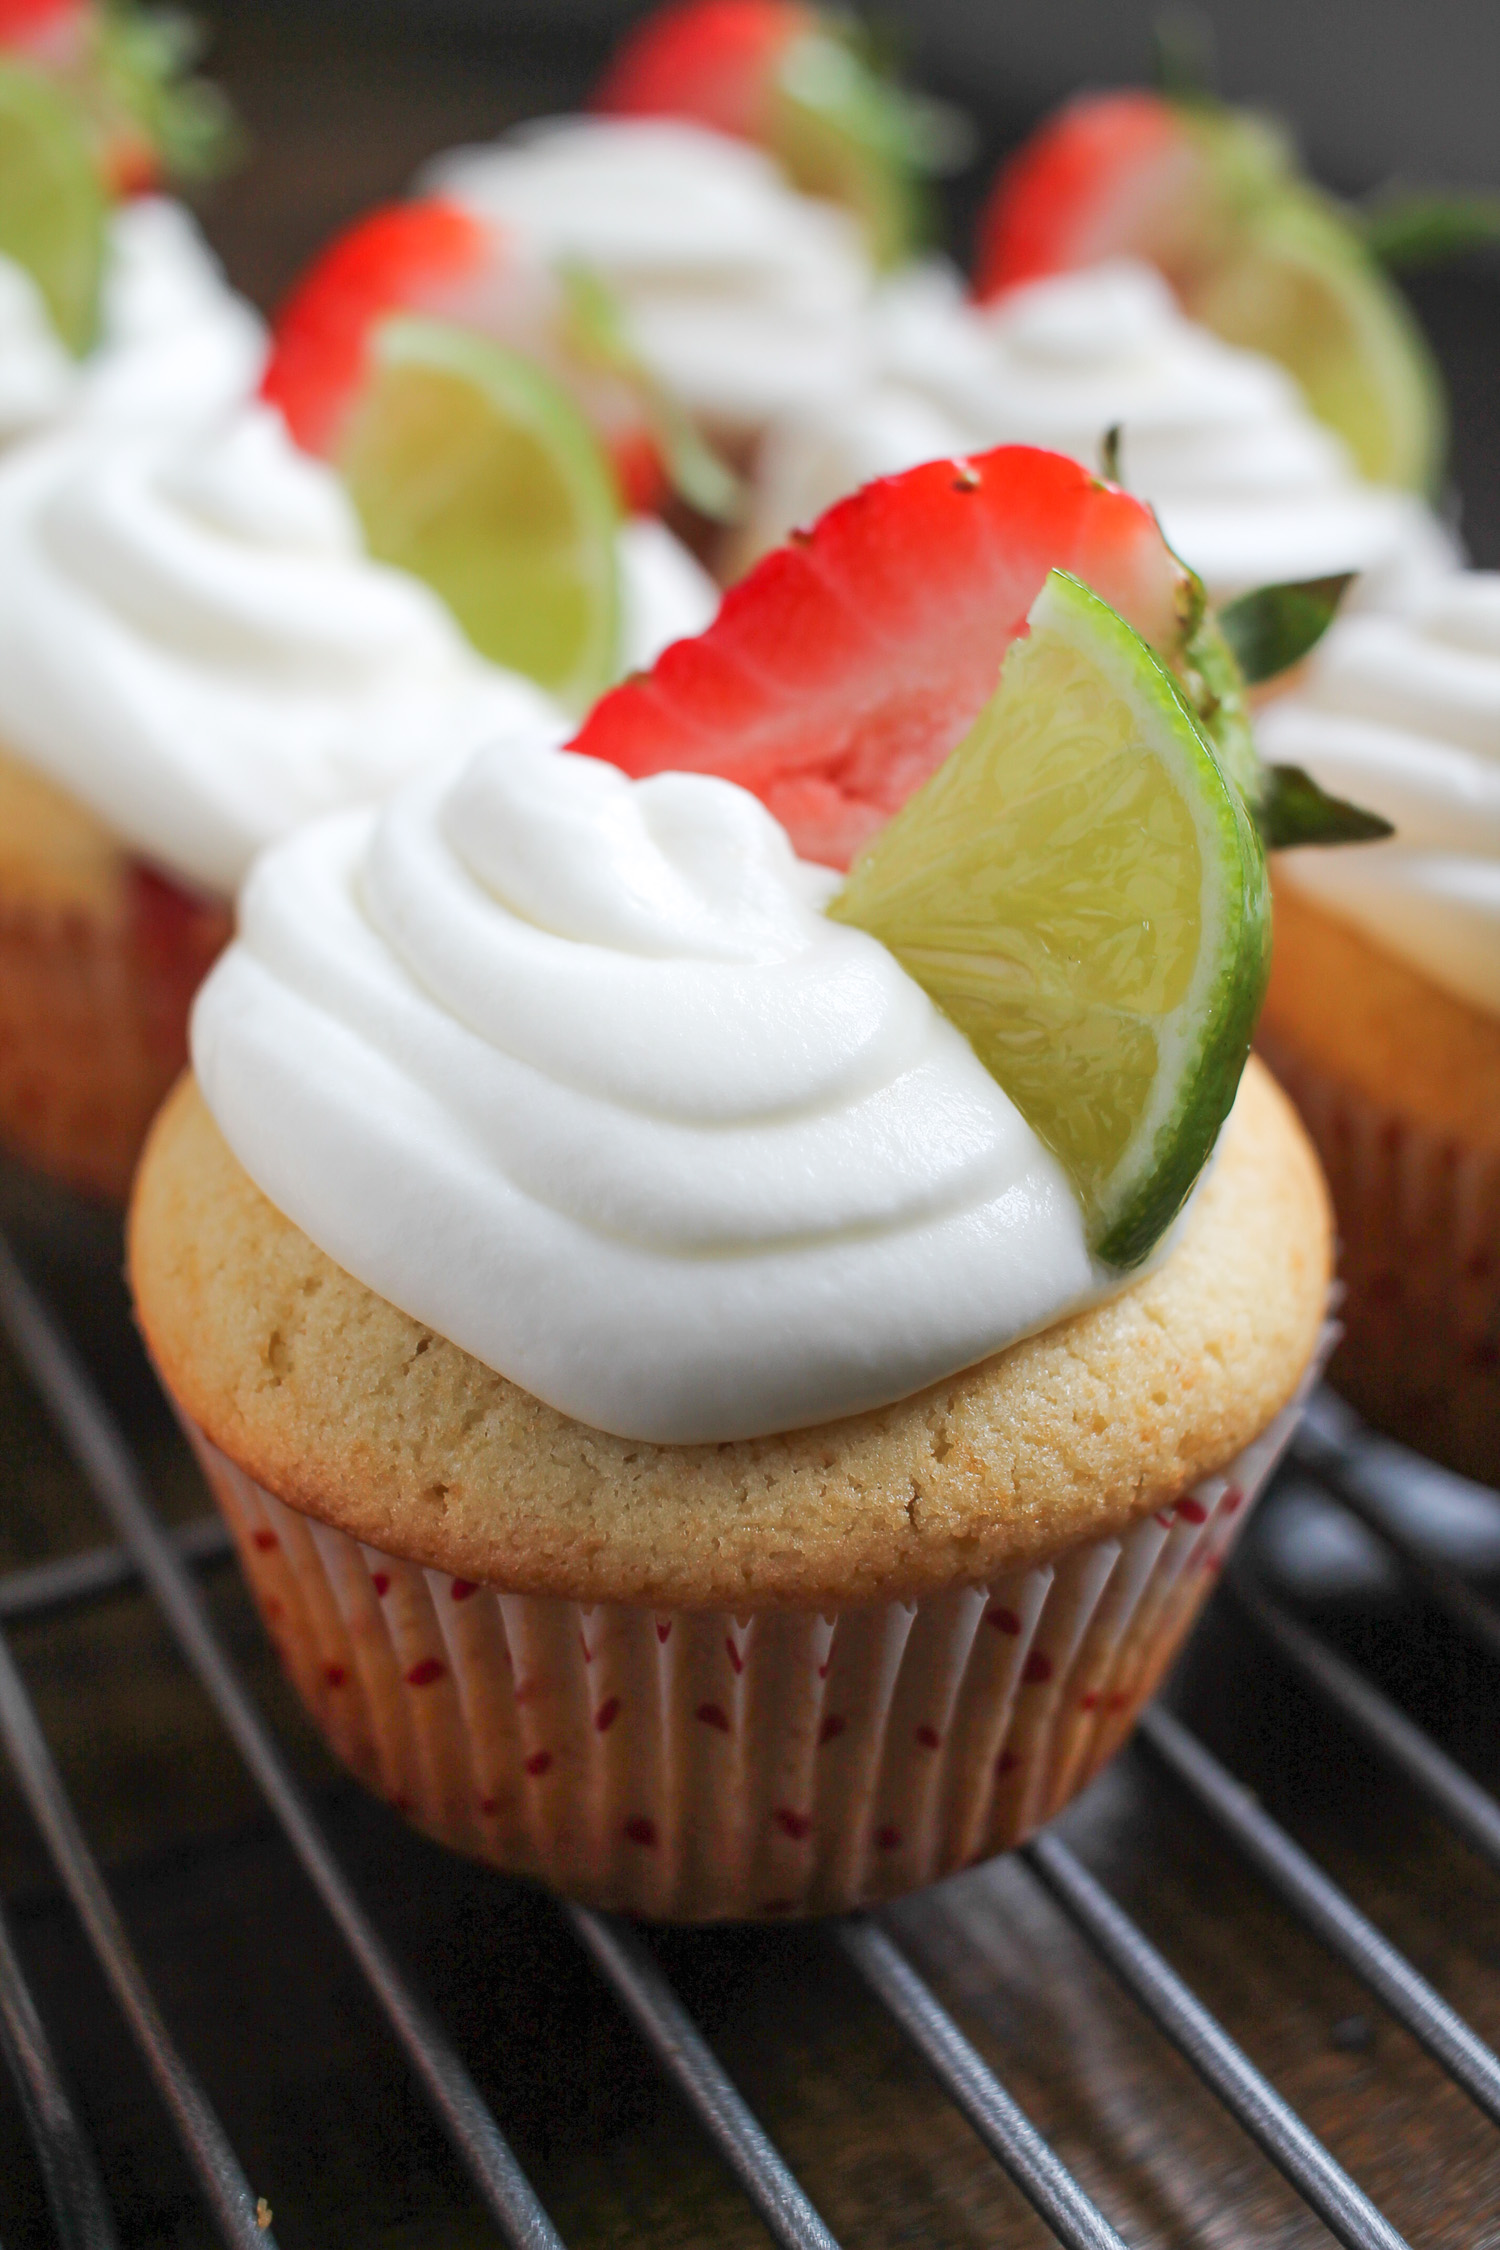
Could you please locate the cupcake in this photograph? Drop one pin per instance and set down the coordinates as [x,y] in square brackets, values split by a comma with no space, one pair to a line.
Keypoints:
[1251,489]
[1383,1016]
[692,1437]
[196,654]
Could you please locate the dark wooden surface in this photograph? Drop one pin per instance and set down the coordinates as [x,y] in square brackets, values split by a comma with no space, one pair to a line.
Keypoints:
[254,1980]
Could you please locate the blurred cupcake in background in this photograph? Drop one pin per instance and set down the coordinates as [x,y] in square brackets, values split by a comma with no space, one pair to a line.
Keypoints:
[1383,1016]
[198,653]
[112,308]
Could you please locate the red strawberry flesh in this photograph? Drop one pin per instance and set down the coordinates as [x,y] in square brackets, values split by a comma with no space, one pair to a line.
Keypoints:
[713,61]
[840,673]
[399,259]
[1110,175]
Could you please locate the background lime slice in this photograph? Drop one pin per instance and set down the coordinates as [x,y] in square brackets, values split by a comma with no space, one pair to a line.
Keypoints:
[52,205]
[1302,287]
[1083,893]
[474,471]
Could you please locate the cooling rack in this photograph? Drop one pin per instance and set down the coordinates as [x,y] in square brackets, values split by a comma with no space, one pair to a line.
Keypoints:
[1356,1482]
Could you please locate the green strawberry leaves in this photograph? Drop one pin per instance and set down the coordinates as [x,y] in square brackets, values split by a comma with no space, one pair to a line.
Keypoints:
[1273,628]
[1293,809]
[1408,230]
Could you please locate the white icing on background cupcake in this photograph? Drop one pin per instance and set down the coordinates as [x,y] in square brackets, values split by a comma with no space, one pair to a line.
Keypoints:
[574,1070]
[194,643]
[175,343]
[1402,714]
[742,295]
[1250,487]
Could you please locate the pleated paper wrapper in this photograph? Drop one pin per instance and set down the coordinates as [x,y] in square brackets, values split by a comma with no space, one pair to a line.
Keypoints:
[1419,1225]
[696,1765]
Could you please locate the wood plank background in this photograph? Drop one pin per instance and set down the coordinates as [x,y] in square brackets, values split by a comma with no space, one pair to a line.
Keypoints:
[253,1979]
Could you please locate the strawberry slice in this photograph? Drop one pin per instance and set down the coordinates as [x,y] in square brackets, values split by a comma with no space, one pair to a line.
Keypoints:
[436,258]
[714,61]
[1111,175]
[805,84]
[840,673]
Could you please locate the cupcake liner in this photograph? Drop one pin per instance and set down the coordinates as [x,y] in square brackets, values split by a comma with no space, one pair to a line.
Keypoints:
[93,1026]
[696,1765]
[1419,1221]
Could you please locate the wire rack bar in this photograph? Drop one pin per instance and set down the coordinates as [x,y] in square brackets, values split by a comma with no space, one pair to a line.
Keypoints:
[1378,1721]
[101,1451]
[1007,2132]
[1296,2152]
[1355,1483]
[75,2193]
[1335,1918]
[683,2052]
[224,2185]
[49,1586]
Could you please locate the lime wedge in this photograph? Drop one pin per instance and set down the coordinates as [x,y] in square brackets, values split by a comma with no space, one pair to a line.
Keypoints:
[470,468]
[52,206]
[1081,891]
[1300,286]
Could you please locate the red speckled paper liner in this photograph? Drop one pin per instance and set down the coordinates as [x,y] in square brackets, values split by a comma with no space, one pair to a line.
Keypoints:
[1419,1226]
[698,1766]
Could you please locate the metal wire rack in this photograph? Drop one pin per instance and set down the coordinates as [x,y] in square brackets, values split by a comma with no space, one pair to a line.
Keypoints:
[1348,1471]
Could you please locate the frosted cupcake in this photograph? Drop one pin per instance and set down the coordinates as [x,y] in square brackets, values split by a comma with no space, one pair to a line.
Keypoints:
[1383,1018]
[197,654]
[693,1438]
[1250,488]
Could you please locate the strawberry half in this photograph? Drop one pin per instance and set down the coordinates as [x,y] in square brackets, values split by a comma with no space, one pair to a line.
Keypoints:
[435,258]
[1214,197]
[805,85]
[840,673]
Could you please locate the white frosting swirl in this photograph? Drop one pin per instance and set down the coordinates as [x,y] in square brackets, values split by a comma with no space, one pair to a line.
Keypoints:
[572,1069]
[743,296]
[175,344]
[1249,486]
[37,375]
[1402,714]
[194,643]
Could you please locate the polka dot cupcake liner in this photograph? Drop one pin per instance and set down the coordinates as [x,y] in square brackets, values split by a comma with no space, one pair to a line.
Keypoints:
[1419,1225]
[701,1766]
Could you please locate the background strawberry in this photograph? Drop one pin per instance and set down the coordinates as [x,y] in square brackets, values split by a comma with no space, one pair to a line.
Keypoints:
[130,69]
[805,84]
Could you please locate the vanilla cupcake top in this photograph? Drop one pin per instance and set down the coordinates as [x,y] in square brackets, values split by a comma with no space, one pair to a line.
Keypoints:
[1250,488]
[574,1070]
[1402,714]
[175,343]
[743,296]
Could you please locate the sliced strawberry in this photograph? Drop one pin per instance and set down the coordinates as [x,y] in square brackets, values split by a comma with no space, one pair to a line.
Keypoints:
[808,85]
[47,29]
[401,258]
[437,258]
[1110,175]
[840,673]
[715,61]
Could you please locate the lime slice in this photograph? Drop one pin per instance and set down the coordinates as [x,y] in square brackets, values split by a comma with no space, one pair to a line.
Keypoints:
[52,206]
[1084,895]
[470,468]
[1302,287]
[843,129]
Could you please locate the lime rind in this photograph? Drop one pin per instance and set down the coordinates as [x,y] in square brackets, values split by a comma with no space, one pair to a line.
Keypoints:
[471,468]
[53,210]
[1112,998]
